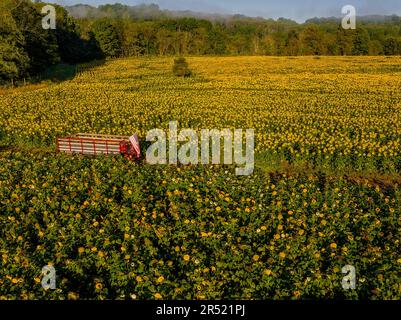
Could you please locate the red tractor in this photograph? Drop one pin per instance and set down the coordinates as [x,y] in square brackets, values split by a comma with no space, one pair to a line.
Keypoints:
[96,144]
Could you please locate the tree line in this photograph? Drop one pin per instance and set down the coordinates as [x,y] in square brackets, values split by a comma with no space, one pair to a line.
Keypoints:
[181,36]
[26,49]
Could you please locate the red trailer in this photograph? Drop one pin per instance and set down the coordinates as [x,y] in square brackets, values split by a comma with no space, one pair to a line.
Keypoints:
[96,144]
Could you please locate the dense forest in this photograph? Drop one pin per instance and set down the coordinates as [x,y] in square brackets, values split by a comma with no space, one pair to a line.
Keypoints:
[26,49]
[85,33]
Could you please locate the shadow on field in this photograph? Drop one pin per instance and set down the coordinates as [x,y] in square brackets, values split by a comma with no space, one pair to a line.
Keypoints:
[64,72]
[55,74]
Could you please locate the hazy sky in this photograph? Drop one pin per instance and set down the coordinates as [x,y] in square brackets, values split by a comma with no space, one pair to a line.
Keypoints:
[294,9]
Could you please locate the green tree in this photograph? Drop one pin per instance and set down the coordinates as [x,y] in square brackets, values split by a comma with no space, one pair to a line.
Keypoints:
[292,43]
[312,40]
[375,48]
[217,41]
[344,41]
[199,41]
[391,47]
[181,68]
[164,41]
[108,37]
[40,45]
[133,39]
[361,42]
[13,59]
[72,47]
[268,45]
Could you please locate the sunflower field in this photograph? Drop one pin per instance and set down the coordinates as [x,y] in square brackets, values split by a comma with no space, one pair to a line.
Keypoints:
[324,193]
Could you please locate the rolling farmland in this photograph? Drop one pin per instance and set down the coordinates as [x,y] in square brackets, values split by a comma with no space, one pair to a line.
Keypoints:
[324,192]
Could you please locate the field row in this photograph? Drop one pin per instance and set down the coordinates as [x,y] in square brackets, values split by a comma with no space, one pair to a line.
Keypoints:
[331,112]
[192,232]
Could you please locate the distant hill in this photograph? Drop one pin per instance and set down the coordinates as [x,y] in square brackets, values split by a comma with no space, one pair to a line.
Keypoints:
[366,19]
[141,12]
[153,11]
[146,12]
